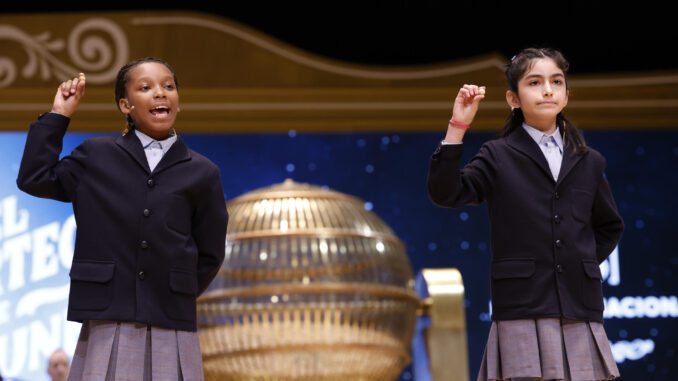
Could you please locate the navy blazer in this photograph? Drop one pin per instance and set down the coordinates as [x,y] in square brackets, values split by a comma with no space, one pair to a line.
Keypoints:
[548,237]
[148,242]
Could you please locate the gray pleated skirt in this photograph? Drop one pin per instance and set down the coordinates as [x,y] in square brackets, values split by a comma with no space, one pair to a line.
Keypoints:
[547,349]
[122,351]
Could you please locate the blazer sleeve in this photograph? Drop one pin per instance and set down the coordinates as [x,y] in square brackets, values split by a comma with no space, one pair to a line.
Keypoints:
[41,173]
[209,231]
[451,186]
[605,220]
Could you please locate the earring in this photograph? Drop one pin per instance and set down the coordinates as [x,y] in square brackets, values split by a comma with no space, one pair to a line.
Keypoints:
[125,131]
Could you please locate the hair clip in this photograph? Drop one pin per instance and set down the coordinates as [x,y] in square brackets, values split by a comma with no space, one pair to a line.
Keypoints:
[508,65]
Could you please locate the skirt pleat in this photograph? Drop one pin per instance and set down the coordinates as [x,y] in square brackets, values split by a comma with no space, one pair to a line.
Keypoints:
[165,356]
[190,358]
[92,353]
[547,349]
[128,360]
[124,351]
[603,345]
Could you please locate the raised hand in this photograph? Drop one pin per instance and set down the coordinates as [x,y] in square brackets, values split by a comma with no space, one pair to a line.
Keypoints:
[68,95]
[463,112]
[466,103]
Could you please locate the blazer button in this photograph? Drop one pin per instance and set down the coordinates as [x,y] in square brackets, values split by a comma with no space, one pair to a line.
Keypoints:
[556,218]
[144,245]
[559,243]
[556,196]
[141,275]
[147,212]
[150,183]
[559,268]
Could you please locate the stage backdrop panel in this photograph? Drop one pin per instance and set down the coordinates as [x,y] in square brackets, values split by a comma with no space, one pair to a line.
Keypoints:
[388,171]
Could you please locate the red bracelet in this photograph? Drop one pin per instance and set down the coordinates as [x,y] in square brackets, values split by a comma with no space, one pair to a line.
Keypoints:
[452,122]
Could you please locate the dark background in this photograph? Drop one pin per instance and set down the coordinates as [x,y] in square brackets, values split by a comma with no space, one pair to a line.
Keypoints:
[595,36]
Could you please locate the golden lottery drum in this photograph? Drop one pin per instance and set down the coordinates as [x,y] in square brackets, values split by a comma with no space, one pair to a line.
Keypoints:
[313,287]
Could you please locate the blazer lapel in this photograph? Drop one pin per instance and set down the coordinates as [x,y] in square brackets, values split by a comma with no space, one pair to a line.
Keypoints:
[130,143]
[569,161]
[177,153]
[523,142]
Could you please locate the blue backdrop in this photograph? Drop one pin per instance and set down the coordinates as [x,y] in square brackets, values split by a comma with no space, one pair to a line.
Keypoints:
[388,171]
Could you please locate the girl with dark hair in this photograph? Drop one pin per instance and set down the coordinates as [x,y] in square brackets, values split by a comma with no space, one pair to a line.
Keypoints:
[151,233]
[553,221]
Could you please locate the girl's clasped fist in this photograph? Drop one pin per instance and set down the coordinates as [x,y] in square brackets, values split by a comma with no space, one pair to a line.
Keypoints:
[68,95]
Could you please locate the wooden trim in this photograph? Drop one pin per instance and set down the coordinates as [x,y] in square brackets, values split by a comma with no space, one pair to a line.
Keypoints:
[254,83]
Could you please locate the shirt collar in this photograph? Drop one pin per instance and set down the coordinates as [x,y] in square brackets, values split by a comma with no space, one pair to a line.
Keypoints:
[536,135]
[165,144]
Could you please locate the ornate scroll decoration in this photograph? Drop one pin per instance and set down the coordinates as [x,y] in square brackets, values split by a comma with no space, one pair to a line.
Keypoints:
[89,53]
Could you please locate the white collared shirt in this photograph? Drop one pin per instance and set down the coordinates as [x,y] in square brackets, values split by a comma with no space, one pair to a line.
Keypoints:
[155,149]
[539,137]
